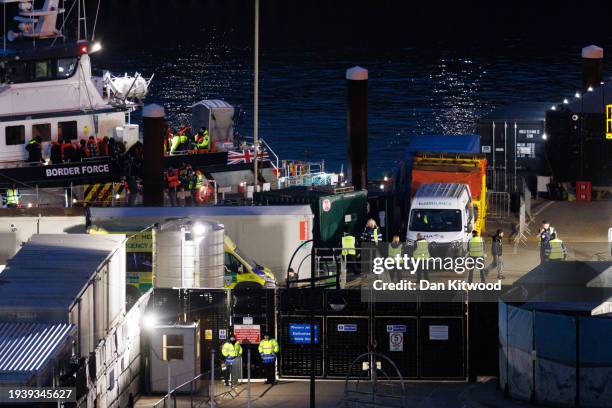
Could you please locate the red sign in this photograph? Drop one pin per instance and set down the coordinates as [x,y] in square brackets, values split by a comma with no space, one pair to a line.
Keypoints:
[247,333]
[303,230]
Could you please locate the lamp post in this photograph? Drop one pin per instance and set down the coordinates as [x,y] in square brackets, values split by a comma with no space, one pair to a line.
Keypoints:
[256,95]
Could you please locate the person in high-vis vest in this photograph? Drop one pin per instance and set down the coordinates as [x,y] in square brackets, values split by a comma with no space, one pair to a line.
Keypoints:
[11,197]
[268,349]
[198,184]
[370,239]
[395,250]
[555,250]
[476,250]
[349,252]
[421,251]
[371,233]
[180,142]
[202,140]
[230,350]
[544,237]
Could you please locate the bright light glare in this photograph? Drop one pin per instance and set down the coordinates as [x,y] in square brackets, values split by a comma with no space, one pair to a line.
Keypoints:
[386,178]
[382,186]
[544,136]
[96,47]
[149,321]
[577,95]
[565,101]
[198,229]
[117,196]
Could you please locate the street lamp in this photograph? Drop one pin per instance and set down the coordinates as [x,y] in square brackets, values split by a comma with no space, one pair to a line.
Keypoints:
[256,95]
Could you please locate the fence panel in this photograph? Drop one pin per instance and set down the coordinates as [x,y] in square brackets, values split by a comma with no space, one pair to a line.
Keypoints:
[498,204]
[295,336]
[347,338]
[397,338]
[441,348]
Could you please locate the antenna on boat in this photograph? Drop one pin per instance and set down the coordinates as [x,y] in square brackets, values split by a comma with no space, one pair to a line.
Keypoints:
[81,19]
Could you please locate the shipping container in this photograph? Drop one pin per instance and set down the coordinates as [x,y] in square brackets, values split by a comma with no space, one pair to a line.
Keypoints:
[81,281]
[334,212]
[513,140]
[579,144]
[19,224]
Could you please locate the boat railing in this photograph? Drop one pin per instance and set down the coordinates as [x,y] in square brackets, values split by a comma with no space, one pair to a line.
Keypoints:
[262,142]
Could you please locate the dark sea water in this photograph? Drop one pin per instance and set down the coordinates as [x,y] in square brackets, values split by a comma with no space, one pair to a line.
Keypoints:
[427,74]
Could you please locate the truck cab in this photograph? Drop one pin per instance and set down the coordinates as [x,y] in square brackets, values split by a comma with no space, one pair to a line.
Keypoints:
[443,214]
[242,272]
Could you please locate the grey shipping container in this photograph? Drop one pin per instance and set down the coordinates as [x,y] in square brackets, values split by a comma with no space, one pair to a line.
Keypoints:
[513,141]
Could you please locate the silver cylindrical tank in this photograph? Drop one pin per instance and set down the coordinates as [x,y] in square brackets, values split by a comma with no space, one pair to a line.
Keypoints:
[210,254]
[188,253]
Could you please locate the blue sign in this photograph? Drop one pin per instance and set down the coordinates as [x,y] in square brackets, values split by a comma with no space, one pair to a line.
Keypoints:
[299,333]
[396,328]
[347,327]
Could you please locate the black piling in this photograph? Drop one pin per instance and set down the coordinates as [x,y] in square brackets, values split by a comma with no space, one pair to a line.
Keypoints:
[154,130]
[592,67]
[357,126]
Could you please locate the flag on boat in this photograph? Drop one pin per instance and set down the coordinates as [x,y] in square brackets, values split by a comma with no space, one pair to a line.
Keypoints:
[245,156]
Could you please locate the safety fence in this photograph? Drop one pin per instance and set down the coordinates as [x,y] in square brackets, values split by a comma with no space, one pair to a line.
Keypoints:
[205,388]
[498,204]
[536,366]
[424,340]
[502,181]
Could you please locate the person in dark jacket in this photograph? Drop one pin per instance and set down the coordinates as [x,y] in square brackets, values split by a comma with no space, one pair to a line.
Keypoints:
[497,252]
[56,152]
[34,149]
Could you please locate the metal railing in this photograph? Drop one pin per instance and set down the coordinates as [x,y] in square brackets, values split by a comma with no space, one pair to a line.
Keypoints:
[500,180]
[380,388]
[207,381]
[498,204]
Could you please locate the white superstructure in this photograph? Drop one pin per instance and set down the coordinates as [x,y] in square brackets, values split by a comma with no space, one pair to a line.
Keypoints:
[47,88]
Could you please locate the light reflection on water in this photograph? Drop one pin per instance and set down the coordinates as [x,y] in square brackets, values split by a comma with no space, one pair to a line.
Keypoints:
[302,92]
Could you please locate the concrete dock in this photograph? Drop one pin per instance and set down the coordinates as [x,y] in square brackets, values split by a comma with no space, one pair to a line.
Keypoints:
[295,394]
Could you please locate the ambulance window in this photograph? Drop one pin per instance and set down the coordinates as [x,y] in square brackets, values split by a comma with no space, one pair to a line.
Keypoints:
[67,130]
[232,263]
[15,135]
[42,130]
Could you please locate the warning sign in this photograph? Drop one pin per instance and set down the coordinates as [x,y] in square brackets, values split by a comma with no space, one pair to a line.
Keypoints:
[396,341]
[247,333]
[208,334]
[326,205]
[609,122]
